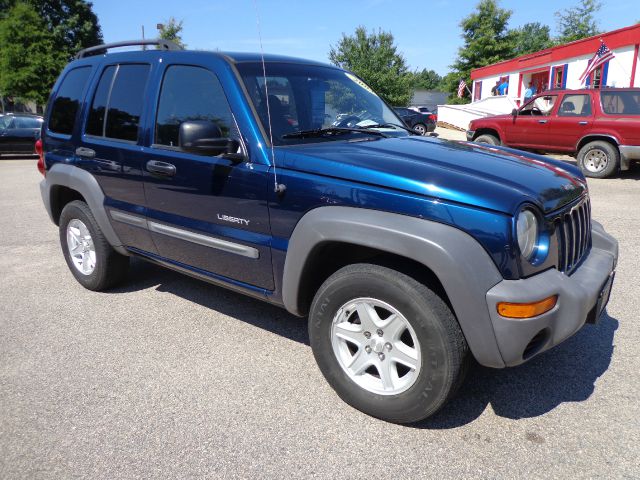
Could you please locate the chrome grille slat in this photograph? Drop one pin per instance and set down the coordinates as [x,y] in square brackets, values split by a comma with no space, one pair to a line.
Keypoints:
[574,235]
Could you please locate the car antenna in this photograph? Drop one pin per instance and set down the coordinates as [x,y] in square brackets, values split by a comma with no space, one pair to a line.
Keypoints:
[279,188]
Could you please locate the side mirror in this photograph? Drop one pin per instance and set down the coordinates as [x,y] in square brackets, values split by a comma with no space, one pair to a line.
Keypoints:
[203,137]
[514,112]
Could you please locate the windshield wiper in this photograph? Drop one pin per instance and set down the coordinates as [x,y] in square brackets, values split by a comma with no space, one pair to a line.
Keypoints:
[322,132]
[388,125]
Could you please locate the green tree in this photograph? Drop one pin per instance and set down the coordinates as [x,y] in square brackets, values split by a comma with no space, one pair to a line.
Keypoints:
[170,30]
[531,37]
[579,21]
[486,40]
[374,57]
[72,23]
[29,58]
[426,79]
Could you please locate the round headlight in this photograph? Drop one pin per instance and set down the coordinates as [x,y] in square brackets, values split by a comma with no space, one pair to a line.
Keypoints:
[527,230]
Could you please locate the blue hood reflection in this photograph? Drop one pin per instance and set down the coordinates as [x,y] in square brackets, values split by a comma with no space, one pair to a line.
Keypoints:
[494,178]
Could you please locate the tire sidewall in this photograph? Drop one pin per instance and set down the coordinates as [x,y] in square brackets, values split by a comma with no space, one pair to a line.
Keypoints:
[423,127]
[608,150]
[431,388]
[79,210]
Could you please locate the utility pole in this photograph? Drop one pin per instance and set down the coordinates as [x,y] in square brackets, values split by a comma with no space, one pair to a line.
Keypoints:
[144,47]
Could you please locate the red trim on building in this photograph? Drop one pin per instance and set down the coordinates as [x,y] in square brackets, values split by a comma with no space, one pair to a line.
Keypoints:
[634,65]
[587,46]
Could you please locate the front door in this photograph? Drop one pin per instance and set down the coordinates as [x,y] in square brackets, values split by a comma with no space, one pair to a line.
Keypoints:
[530,127]
[205,211]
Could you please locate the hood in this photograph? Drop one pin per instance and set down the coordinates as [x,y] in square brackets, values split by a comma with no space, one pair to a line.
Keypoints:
[494,178]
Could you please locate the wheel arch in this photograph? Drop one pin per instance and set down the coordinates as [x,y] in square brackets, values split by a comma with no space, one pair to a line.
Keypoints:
[488,131]
[445,257]
[65,183]
[592,137]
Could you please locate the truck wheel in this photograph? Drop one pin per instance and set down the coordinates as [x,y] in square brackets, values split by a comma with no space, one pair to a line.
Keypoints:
[488,138]
[598,159]
[92,261]
[420,128]
[387,344]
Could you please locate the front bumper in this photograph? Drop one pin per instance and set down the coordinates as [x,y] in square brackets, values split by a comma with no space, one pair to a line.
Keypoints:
[470,135]
[581,297]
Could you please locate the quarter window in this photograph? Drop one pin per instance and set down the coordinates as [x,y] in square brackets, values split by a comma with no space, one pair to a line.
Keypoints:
[621,103]
[65,106]
[191,93]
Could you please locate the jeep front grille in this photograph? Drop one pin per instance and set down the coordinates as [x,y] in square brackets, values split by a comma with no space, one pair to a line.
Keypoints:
[573,228]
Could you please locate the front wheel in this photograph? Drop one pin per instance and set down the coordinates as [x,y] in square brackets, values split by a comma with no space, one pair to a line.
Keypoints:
[387,344]
[488,139]
[598,159]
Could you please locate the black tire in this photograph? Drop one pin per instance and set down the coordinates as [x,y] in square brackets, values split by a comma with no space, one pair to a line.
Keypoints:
[444,349]
[593,154]
[421,128]
[110,266]
[488,138]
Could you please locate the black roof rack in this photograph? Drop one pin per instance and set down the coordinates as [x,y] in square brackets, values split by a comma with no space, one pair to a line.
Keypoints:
[163,44]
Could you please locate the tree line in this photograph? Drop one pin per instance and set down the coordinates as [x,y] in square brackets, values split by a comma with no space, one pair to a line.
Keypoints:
[39,37]
[487,40]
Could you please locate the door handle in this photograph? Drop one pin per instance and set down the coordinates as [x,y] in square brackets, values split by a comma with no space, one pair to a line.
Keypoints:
[583,122]
[542,121]
[161,168]
[85,152]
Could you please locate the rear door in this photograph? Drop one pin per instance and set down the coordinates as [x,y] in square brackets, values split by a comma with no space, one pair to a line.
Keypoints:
[572,121]
[205,211]
[110,147]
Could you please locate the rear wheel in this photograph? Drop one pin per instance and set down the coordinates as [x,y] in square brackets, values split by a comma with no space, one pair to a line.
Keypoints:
[420,128]
[387,344]
[488,138]
[92,261]
[598,159]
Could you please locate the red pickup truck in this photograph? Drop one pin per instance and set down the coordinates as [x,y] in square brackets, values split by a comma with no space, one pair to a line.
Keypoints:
[601,128]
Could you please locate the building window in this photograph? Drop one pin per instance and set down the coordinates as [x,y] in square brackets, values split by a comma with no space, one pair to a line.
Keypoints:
[477,91]
[558,76]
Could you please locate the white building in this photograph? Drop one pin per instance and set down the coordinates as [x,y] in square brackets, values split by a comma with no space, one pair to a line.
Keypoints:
[562,66]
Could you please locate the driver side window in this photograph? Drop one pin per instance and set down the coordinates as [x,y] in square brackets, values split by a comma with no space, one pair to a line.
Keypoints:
[539,106]
[191,93]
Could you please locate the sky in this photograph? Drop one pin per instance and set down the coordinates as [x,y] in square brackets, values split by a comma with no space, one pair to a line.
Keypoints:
[427,33]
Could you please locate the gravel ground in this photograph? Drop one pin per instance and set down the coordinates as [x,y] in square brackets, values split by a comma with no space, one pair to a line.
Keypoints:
[169,377]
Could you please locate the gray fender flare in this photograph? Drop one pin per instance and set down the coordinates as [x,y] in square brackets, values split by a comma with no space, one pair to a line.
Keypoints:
[461,264]
[83,182]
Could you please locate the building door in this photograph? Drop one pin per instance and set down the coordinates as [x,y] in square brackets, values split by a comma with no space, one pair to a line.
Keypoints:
[540,81]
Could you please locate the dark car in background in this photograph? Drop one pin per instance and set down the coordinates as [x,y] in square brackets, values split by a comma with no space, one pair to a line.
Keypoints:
[422,123]
[19,132]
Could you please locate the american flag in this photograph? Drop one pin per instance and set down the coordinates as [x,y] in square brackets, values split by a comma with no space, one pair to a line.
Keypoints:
[602,55]
[461,86]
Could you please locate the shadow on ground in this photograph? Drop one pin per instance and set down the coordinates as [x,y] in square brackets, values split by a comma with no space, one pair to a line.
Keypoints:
[566,373]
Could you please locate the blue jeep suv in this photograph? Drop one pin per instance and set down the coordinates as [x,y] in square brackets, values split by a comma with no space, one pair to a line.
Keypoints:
[291,181]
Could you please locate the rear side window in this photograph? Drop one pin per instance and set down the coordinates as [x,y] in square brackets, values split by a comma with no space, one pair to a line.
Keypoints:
[191,93]
[575,106]
[118,101]
[65,106]
[621,103]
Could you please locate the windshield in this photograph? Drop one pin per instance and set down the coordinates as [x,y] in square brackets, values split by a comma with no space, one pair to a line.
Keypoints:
[307,97]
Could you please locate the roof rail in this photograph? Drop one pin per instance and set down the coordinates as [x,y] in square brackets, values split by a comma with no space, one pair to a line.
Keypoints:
[163,44]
